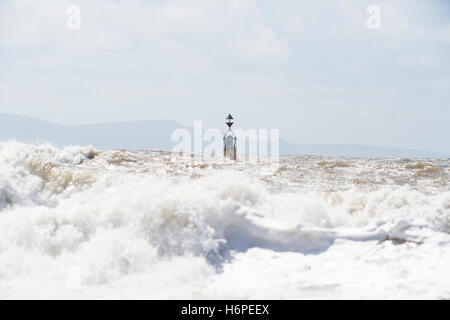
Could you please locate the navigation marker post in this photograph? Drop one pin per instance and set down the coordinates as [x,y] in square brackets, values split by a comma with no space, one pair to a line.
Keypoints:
[229,140]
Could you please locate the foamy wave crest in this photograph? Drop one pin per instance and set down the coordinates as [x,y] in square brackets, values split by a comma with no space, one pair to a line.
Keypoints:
[148,224]
[26,171]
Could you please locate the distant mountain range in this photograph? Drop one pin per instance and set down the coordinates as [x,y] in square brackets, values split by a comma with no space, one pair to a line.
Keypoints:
[155,134]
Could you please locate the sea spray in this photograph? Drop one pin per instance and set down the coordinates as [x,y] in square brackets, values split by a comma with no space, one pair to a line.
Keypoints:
[78,223]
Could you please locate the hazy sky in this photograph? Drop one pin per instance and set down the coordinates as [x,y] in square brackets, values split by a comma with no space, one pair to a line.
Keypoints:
[310,68]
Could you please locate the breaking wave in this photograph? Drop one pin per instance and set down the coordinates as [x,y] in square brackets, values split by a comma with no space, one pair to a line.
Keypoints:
[80,223]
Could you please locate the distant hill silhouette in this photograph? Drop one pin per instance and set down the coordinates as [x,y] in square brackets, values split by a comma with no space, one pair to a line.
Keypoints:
[155,134]
[152,134]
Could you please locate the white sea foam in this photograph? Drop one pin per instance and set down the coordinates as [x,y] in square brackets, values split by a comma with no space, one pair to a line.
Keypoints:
[77,223]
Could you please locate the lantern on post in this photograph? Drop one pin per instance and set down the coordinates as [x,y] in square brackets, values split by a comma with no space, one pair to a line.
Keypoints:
[229,140]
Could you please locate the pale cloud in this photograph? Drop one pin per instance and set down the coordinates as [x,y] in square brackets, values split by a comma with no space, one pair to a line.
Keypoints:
[238,26]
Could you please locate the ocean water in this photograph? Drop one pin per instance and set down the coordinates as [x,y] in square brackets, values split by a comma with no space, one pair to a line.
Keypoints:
[80,223]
